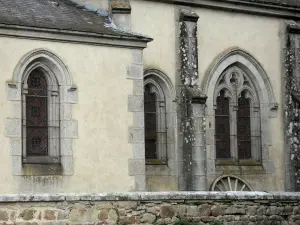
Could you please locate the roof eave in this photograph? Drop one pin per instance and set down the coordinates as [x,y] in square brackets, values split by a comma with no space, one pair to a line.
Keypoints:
[256,8]
[76,37]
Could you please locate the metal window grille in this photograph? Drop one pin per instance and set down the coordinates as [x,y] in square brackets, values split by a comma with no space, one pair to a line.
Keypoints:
[222,127]
[37,115]
[246,138]
[155,127]
[244,128]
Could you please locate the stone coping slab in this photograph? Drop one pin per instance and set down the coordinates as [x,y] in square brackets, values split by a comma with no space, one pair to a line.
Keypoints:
[151,196]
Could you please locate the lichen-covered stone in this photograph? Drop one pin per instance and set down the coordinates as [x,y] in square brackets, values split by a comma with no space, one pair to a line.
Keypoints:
[204,210]
[62,214]
[27,214]
[148,218]
[3,215]
[112,215]
[180,210]
[234,210]
[104,205]
[103,215]
[250,210]
[152,210]
[192,211]
[80,215]
[22,223]
[166,211]
[126,204]
[261,210]
[127,220]
[216,210]
[272,210]
[49,215]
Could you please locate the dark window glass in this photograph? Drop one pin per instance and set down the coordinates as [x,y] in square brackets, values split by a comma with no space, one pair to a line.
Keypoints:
[37,115]
[243,128]
[150,124]
[222,127]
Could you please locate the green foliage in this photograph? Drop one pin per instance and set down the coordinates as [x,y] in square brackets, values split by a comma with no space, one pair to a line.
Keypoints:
[216,223]
[157,218]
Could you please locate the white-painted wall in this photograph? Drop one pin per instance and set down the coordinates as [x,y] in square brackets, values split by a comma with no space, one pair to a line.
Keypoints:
[101,151]
[218,31]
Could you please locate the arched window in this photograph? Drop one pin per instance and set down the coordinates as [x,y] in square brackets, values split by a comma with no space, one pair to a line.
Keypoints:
[240,103]
[237,117]
[37,114]
[155,122]
[41,128]
[222,127]
[41,123]
[244,127]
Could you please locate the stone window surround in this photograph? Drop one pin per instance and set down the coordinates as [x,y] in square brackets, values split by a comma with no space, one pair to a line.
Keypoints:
[68,127]
[53,115]
[160,120]
[163,82]
[268,106]
[233,96]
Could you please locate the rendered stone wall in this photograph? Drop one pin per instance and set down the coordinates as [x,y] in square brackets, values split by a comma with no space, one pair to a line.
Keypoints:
[103,128]
[152,208]
[217,32]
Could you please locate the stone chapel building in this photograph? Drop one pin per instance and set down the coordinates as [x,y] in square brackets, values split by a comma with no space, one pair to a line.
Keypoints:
[156,95]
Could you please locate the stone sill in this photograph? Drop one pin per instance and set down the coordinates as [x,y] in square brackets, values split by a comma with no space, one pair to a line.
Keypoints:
[156,162]
[152,196]
[41,160]
[233,162]
[42,169]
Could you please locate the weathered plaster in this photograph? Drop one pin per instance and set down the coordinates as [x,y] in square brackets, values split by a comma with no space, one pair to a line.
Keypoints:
[67,94]
[164,177]
[267,104]
[136,133]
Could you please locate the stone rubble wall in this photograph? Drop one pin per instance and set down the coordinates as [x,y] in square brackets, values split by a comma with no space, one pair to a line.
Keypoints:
[247,208]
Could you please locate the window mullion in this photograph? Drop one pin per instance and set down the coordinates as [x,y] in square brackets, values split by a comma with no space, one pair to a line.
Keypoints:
[233,129]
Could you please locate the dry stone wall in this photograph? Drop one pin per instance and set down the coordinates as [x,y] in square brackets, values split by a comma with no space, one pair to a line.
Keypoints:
[152,208]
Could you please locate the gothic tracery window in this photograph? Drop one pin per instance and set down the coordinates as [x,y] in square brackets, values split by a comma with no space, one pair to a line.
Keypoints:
[237,119]
[243,127]
[222,127]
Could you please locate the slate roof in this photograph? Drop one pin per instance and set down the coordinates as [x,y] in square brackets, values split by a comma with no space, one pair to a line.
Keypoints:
[56,14]
[284,3]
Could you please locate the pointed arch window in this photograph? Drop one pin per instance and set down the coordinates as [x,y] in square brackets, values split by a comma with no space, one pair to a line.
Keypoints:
[222,127]
[244,127]
[155,123]
[37,115]
[237,118]
[41,125]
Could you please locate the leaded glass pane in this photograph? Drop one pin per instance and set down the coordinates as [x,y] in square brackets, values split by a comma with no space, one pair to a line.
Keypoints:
[37,115]
[244,128]
[150,124]
[222,127]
